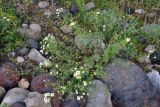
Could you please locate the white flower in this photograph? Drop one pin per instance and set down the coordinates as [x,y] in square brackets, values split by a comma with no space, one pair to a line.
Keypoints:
[97,12]
[78,72]
[73,23]
[56,65]
[78,98]
[84,83]
[128,39]
[52,94]
[41,51]
[76,92]
[8,20]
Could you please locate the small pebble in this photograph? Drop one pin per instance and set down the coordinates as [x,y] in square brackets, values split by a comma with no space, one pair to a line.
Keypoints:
[20,59]
[23,83]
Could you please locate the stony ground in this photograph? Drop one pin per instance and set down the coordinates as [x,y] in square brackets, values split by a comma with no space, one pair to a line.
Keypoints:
[126,84]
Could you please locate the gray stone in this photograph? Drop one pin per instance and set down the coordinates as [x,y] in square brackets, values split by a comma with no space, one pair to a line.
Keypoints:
[25,26]
[2,92]
[144,59]
[22,51]
[89,5]
[99,96]
[33,44]
[36,56]
[150,48]
[35,31]
[36,99]
[15,95]
[66,29]
[43,4]
[154,78]
[130,86]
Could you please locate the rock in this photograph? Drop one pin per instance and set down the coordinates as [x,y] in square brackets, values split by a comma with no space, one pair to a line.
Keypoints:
[22,51]
[47,13]
[55,100]
[36,56]
[33,44]
[129,85]
[43,4]
[152,30]
[129,10]
[74,9]
[89,5]
[66,29]
[23,83]
[150,48]
[71,103]
[2,92]
[125,25]
[99,96]
[35,31]
[139,11]
[151,15]
[8,75]
[20,59]
[15,95]
[155,57]
[42,84]
[34,1]
[25,26]
[154,78]
[36,99]
[18,104]
[20,10]
[144,59]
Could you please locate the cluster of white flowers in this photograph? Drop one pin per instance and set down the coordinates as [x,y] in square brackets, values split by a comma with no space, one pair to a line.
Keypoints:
[46,63]
[77,74]
[128,39]
[58,11]
[7,19]
[47,97]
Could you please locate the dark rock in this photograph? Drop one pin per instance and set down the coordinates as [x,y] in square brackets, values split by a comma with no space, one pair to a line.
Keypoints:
[8,75]
[155,57]
[129,10]
[74,9]
[34,1]
[42,83]
[33,44]
[55,100]
[99,95]
[18,104]
[15,95]
[130,86]
[71,103]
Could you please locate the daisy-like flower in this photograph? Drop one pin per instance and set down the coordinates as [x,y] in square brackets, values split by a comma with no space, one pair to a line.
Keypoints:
[78,98]
[128,39]
[84,83]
